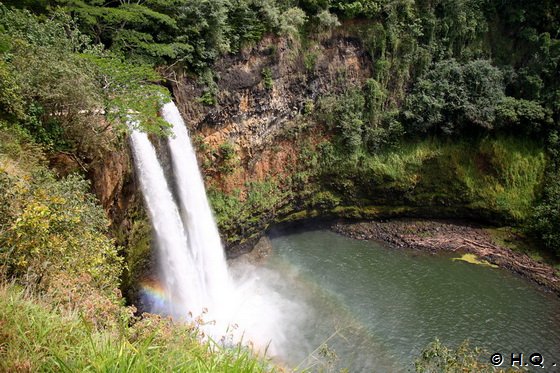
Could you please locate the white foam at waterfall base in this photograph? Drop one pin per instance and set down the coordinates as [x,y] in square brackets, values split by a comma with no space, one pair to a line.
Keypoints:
[263,312]
[191,257]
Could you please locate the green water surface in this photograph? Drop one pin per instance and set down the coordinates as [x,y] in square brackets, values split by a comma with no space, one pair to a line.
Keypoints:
[378,307]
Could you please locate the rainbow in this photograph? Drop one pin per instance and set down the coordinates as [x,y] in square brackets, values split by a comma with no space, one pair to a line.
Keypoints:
[154,295]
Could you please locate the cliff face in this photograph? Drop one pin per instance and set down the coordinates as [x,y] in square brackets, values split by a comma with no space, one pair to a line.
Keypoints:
[268,154]
[251,140]
[262,94]
[112,180]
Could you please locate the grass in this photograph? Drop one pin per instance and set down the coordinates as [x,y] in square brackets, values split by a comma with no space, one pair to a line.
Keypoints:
[34,336]
[501,174]
[504,174]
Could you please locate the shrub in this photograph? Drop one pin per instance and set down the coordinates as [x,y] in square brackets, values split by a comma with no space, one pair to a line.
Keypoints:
[452,97]
[518,114]
[59,228]
[226,158]
[267,78]
[11,103]
[291,21]
[344,115]
[545,222]
[438,358]
[78,293]
[326,20]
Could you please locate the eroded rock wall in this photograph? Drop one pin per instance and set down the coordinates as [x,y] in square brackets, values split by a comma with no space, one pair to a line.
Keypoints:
[262,94]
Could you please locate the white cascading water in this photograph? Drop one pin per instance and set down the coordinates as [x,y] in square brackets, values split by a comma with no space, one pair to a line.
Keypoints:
[193,269]
[176,263]
[202,233]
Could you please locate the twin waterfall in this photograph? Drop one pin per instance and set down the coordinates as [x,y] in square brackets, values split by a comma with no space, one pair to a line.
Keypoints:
[194,282]
[192,264]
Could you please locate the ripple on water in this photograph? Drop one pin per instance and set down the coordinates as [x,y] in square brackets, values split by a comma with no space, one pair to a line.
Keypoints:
[385,305]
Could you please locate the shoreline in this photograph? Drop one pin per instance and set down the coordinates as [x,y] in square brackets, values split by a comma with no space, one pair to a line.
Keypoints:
[430,235]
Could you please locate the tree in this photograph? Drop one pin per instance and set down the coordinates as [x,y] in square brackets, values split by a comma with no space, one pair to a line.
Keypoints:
[344,115]
[66,91]
[141,29]
[452,97]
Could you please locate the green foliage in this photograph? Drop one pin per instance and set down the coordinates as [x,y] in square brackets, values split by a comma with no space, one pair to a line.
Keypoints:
[364,8]
[58,85]
[59,229]
[308,107]
[50,227]
[452,97]
[520,114]
[545,222]
[360,119]
[130,91]
[534,50]
[59,31]
[11,103]
[227,208]
[437,358]
[227,151]
[204,25]
[291,21]
[226,158]
[267,78]
[262,195]
[324,200]
[134,28]
[492,177]
[457,28]
[192,32]
[39,336]
[236,209]
[310,60]
[326,20]
[343,114]
[314,6]
[38,6]
[209,95]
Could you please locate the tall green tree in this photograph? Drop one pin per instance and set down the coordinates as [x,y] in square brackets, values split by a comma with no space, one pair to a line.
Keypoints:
[141,28]
[452,97]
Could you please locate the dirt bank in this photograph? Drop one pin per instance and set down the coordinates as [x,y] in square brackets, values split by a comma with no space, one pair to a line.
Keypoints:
[460,237]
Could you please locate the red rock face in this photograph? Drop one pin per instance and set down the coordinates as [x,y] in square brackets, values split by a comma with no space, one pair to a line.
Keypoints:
[108,178]
[257,120]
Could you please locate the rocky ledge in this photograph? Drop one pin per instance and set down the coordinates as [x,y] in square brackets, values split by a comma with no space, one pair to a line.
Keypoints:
[434,236]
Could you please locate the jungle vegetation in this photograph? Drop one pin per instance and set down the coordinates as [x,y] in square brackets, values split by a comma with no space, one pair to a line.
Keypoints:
[446,74]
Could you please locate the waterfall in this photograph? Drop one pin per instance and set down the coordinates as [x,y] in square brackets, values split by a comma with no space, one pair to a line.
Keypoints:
[191,260]
[193,273]
[182,286]
[202,232]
